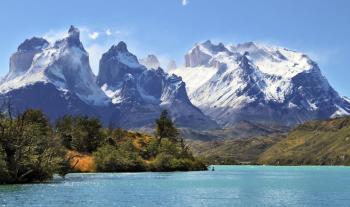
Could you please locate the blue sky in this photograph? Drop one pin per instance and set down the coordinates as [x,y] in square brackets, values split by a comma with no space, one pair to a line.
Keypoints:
[169,28]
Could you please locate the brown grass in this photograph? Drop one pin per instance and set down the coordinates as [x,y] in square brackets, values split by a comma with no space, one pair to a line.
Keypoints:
[82,162]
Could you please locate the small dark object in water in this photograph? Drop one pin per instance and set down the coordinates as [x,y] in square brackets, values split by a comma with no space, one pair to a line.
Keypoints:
[213,169]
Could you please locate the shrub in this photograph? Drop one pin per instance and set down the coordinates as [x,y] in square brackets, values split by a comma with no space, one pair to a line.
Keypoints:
[111,159]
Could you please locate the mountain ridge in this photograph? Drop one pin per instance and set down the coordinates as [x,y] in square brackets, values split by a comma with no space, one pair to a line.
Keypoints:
[221,87]
[58,79]
[257,83]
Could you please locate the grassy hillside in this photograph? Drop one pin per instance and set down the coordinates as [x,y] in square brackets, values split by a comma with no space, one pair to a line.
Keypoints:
[232,151]
[313,143]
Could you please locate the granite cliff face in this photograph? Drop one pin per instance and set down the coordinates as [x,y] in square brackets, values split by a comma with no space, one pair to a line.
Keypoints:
[22,59]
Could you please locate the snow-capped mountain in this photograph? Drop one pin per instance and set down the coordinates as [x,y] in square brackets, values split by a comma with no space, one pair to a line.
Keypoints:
[64,64]
[258,83]
[230,83]
[57,78]
[140,93]
[151,61]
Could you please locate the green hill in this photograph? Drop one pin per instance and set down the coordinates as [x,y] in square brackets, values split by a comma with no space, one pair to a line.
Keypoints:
[312,143]
[232,151]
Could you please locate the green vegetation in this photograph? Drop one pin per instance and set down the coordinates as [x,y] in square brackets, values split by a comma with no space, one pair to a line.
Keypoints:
[31,150]
[232,151]
[313,143]
[81,133]
[132,152]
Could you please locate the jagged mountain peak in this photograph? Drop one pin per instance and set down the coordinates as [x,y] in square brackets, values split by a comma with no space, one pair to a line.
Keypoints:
[34,43]
[115,64]
[72,40]
[120,53]
[201,54]
[73,31]
[120,47]
[151,61]
[210,48]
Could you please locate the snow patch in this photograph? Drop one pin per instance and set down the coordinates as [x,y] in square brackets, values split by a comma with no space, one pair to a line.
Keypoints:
[194,77]
[340,112]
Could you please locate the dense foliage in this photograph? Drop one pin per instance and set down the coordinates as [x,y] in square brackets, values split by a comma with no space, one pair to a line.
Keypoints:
[127,151]
[31,150]
[81,133]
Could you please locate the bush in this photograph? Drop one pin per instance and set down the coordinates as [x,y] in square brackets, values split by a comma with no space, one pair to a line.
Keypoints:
[123,159]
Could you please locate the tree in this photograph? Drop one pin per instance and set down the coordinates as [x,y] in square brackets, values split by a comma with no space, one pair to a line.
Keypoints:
[3,167]
[64,130]
[30,150]
[165,127]
[123,158]
[80,133]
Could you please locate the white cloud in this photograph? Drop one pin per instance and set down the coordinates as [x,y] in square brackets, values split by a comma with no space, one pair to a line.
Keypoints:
[108,32]
[185,2]
[54,35]
[94,35]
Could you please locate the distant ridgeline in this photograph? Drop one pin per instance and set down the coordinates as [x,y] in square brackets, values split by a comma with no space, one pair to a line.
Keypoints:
[31,150]
[313,143]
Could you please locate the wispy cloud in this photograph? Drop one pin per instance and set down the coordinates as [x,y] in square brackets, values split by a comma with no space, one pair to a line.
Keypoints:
[184,2]
[94,35]
[108,32]
[54,35]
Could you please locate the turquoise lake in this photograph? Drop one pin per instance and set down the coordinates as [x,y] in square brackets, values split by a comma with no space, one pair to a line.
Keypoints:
[226,186]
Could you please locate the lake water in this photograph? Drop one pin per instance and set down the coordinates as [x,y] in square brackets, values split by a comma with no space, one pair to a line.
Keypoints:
[227,186]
